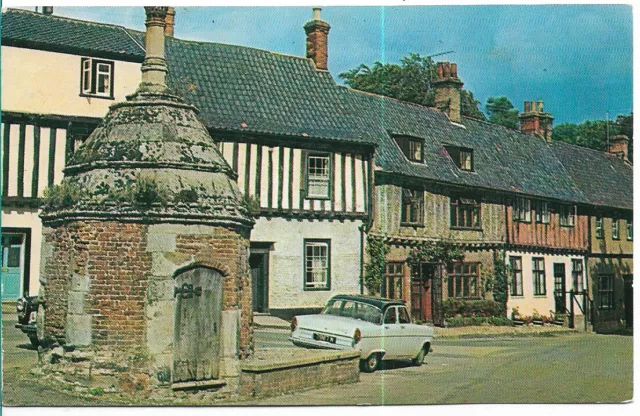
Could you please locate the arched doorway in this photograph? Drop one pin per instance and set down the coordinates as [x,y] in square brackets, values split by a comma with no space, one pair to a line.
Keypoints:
[198,308]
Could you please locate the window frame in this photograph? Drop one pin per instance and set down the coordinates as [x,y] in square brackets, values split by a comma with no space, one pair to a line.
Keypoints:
[542,215]
[456,271]
[456,204]
[615,228]
[513,282]
[393,278]
[522,210]
[567,215]
[608,290]
[405,144]
[539,276]
[599,227]
[89,71]
[316,242]
[413,201]
[456,154]
[629,229]
[329,180]
[577,276]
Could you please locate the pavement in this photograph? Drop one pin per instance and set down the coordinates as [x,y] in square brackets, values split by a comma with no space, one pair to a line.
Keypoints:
[273,322]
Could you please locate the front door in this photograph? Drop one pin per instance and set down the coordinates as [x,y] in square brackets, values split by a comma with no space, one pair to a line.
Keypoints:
[628,299]
[260,281]
[426,294]
[198,294]
[12,254]
[560,288]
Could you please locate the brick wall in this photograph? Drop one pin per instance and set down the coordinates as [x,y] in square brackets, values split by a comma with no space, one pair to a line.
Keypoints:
[112,255]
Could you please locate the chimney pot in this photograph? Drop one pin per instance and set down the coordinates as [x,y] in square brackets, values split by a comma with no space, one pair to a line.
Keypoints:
[170,21]
[447,88]
[534,121]
[317,32]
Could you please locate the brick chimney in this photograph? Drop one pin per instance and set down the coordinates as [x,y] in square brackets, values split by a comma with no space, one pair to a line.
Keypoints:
[48,10]
[317,34]
[170,21]
[447,88]
[534,121]
[619,146]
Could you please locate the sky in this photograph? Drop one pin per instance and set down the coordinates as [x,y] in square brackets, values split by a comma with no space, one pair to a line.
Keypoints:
[575,58]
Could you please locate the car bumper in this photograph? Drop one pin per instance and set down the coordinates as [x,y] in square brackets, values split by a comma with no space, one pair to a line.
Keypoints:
[27,328]
[307,343]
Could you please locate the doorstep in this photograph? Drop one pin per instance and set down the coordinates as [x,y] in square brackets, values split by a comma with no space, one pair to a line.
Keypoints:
[268,321]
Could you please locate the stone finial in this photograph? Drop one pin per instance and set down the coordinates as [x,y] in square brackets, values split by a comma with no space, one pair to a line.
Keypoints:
[154,66]
[317,32]
[534,121]
[619,146]
[447,88]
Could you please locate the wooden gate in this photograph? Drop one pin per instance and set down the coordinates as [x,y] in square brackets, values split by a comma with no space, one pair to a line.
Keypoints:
[198,294]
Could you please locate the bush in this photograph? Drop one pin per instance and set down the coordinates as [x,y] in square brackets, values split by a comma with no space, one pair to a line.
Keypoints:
[478,320]
[453,307]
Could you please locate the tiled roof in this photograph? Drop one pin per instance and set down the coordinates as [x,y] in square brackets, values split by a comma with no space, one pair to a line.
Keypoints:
[605,180]
[27,29]
[504,159]
[242,89]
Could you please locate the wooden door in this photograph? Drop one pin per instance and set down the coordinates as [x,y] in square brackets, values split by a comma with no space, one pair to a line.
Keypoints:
[198,294]
[559,287]
[435,275]
[260,281]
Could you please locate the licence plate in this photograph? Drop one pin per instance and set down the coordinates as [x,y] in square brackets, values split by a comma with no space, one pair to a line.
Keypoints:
[325,338]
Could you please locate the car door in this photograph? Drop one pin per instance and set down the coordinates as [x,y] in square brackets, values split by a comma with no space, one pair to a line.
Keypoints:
[392,334]
[411,341]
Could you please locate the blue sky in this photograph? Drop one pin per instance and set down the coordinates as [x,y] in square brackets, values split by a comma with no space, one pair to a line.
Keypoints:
[576,58]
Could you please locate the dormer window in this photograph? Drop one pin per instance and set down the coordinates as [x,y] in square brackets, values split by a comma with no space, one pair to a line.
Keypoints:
[462,157]
[96,78]
[411,147]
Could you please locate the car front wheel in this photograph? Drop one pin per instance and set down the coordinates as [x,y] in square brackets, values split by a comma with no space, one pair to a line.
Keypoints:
[370,364]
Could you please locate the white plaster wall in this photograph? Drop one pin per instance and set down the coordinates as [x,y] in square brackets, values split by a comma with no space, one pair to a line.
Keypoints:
[27,87]
[286,277]
[543,304]
[25,218]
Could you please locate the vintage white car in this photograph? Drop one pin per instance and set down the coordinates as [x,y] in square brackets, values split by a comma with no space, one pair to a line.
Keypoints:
[380,329]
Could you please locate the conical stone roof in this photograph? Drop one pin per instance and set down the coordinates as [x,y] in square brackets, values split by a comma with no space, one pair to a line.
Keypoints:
[150,160]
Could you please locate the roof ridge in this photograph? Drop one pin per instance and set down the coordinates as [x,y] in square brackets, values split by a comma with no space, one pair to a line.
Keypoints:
[125,30]
[392,98]
[58,17]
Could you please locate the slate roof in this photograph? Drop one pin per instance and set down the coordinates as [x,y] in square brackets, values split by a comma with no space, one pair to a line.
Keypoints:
[241,89]
[504,159]
[28,29]
[605,180]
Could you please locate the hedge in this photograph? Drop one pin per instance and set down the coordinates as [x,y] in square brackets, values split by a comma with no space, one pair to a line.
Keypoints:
[453,307]
[478,320]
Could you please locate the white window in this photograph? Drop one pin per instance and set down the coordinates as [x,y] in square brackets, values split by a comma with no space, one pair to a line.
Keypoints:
[615,228]
[542,212]
[317,268]
[567,215]
[630,229]
[522,210]
[599,227]
[318,177]
[97,77]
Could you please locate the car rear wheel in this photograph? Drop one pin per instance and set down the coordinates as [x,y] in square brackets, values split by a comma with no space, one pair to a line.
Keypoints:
[370,364]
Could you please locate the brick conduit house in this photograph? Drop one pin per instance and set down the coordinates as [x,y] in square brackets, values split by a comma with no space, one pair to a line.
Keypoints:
[146,241]
[326,166]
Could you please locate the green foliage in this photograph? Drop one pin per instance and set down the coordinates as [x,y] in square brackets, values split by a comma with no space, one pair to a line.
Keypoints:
[96,391]
[500,283]
[62,196]
[144,192]
[186,196]
[440,251]
[454,307]
[593,133]
[377,251]
[501,111]
[252,204]
[410,81]
[478,320]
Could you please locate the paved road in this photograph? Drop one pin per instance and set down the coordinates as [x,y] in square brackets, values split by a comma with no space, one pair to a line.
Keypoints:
[562,369]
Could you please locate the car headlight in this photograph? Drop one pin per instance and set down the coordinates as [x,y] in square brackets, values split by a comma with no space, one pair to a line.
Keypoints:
[21,308]
[357,336]
[20,305]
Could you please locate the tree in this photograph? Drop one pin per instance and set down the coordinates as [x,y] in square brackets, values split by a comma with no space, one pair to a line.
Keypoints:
[593,133]
[501,111]
[410,81]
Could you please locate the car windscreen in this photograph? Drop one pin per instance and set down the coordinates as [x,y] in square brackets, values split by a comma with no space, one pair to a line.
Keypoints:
[355,310]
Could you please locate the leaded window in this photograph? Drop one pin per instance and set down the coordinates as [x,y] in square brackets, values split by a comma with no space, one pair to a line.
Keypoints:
[462,280]
[412,207]
[465,213]
[577,275]
[605,291]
